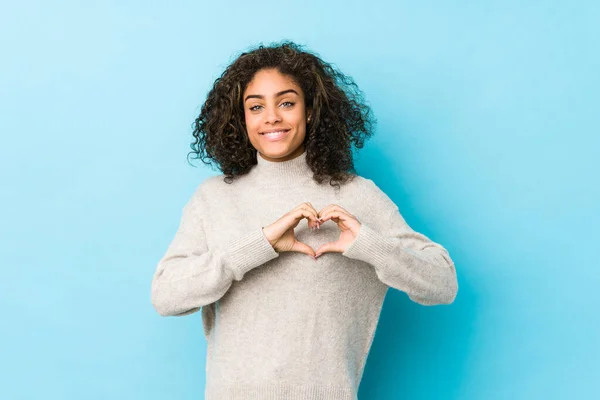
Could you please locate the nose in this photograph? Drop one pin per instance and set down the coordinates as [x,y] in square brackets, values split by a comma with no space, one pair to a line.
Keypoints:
[272,115]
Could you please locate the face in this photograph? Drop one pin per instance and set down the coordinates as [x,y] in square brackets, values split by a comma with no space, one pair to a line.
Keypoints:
[275,115]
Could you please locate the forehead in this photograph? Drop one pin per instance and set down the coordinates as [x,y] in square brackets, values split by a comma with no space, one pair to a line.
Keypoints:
[269,81]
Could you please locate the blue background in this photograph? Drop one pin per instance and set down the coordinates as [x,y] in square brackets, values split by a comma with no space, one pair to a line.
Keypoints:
[488,140]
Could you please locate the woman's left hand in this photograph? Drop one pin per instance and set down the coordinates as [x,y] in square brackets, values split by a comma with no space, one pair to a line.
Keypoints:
[349,226]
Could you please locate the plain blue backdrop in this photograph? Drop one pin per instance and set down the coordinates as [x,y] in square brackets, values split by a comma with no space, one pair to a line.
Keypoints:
[488,141]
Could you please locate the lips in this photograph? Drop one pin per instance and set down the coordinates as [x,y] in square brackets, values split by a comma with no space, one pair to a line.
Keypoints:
[275,135]
[274,131]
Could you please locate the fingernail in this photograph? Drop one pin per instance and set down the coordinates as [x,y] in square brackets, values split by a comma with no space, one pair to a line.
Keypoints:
[317,255]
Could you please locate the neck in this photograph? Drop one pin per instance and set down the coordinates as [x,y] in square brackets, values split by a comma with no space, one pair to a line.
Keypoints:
[299,150]
[282,173]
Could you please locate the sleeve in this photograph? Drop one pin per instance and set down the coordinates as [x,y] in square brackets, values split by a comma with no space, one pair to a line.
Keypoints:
[190,275]
[406,260]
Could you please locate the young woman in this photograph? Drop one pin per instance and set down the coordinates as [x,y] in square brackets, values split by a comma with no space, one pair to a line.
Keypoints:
[290,310]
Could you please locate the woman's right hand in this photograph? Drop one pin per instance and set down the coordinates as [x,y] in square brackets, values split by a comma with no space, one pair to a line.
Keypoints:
[281,232]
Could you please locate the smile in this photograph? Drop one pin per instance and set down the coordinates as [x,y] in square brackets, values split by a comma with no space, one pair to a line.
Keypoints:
[273,136]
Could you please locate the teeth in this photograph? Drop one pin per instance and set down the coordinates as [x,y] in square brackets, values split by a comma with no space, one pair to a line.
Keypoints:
[273,133]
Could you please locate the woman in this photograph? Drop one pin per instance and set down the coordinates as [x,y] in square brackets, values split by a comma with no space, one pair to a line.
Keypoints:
[290,310]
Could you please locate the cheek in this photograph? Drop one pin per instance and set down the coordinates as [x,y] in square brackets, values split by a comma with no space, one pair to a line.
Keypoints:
[300,122]
[296,118]
[251,125]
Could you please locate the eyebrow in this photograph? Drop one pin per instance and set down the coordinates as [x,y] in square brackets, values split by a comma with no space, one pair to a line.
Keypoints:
[260,96]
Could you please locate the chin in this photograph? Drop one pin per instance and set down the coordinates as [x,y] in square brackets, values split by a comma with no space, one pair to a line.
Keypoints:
[276,154]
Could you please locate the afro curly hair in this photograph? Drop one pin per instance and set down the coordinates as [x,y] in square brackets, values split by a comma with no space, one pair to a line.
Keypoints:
[340,116]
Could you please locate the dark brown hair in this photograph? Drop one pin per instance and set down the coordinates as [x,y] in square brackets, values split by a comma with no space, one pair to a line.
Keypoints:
[340,118]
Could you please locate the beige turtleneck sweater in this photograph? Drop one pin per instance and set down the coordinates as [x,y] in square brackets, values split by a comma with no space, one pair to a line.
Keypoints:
[283,325]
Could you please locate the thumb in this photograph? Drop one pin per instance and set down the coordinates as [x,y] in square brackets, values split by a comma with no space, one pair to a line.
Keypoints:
[303,248]
[325,248]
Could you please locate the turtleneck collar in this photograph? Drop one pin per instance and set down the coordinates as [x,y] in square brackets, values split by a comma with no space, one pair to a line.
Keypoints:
[284,173]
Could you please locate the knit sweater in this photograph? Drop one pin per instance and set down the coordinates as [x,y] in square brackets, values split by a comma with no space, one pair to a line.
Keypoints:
[284,325]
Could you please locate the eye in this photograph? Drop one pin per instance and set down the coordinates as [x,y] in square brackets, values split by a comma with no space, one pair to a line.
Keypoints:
[254,108]
[287,103]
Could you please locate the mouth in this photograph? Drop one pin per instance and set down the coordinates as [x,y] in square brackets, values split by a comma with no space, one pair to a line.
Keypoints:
[275,135]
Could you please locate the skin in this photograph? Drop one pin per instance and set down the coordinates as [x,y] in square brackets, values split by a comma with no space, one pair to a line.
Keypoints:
[274,101]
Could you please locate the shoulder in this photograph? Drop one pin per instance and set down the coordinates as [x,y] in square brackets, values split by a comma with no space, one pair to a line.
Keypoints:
[363,186]
[214,189]
[370,193]
[206,191]
[210,185]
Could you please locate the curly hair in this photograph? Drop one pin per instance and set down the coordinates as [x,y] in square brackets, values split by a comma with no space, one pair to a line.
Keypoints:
[340,117]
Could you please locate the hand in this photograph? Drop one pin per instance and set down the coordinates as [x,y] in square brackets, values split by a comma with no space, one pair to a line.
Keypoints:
[281,232]
[349,226]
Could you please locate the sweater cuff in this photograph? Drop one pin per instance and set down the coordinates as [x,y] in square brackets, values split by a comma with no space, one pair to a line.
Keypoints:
[248,252]
[370,246]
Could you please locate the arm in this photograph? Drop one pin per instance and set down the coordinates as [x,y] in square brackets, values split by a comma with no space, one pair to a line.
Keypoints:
[407,260]
[190,275]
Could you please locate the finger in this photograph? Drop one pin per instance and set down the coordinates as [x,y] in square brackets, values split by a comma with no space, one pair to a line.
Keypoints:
[344,221]
[329,208]
[314,210]
[342,209]
[334,207]
[303,248]
[331,247]
[334,215]
[325,209]
[301,213]
[305,208]
[312,222]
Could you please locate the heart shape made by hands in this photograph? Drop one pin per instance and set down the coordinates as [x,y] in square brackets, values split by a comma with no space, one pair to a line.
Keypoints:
[348,225]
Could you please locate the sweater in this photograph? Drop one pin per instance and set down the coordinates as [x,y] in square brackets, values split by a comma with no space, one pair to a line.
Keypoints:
[285,325]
